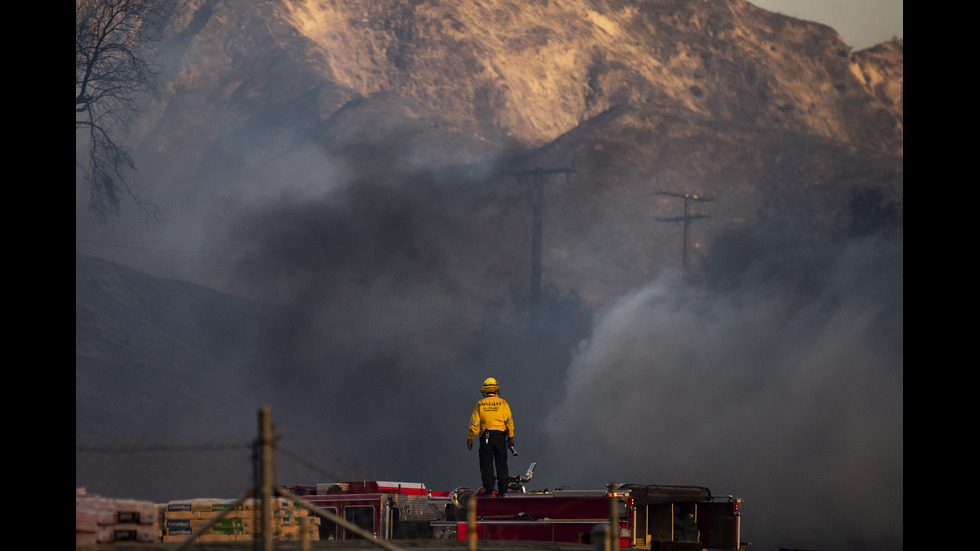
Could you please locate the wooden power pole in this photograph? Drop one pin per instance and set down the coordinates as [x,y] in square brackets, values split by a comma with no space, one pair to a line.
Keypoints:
[535,199]
[267,439]
[687,217]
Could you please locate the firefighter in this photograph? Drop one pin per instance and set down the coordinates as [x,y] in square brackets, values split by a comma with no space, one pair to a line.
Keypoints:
[492,422]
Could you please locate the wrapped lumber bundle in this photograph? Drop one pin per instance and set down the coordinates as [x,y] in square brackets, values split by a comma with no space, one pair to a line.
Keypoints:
[242,523]
[290,524]
[107,520]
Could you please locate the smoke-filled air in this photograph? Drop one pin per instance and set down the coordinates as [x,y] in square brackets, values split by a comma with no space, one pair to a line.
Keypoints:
[777,377]
[783,386]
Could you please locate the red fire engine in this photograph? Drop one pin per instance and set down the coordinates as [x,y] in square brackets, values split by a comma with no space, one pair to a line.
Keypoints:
[646,515]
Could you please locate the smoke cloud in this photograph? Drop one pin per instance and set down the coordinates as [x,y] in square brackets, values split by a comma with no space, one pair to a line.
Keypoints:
[778,378]
[784,387]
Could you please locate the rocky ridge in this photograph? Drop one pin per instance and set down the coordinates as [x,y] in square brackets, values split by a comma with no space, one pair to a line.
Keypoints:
[758,110]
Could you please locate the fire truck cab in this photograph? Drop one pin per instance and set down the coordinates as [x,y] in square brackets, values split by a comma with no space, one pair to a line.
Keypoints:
[685,515]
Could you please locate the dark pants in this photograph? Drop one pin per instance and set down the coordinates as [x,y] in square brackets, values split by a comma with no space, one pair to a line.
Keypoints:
[493,453]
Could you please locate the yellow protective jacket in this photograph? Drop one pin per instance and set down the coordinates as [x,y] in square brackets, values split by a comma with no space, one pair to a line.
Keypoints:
[491,413]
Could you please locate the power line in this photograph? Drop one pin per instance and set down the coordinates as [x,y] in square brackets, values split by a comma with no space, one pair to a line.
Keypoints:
[161,448]
[307,463]
[156,246]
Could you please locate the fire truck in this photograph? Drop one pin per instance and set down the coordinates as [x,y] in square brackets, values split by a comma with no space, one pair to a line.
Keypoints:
[645,516]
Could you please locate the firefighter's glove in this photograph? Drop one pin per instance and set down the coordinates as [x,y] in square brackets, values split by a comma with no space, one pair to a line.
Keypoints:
[510,442]
[469,444]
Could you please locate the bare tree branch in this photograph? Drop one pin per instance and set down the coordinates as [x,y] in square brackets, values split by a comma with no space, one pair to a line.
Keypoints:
[112,46]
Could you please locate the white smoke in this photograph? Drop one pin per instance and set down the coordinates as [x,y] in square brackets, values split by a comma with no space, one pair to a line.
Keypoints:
[791,400]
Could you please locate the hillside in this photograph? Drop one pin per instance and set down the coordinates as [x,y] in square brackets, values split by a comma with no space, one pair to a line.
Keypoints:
[530,73]
[140,340]
[266,105]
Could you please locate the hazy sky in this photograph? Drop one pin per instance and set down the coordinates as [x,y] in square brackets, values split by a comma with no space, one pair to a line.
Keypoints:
[861,23]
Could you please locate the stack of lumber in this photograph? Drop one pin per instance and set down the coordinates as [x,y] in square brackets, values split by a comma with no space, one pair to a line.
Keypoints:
[107,520]
[242,522]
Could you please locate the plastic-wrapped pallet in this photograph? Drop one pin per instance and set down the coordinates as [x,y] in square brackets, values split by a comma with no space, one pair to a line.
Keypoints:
[185,517]
[289,524]
[106,520]
[242,523]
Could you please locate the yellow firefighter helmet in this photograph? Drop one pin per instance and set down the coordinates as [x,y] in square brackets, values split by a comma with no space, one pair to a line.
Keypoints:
[490,385]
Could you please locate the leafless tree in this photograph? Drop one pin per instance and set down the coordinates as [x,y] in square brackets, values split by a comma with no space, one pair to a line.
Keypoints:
[113,39]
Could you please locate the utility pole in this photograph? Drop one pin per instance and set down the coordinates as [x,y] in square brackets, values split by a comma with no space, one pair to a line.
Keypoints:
[613,534]
[688,216]
[535,199]
[267,439]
